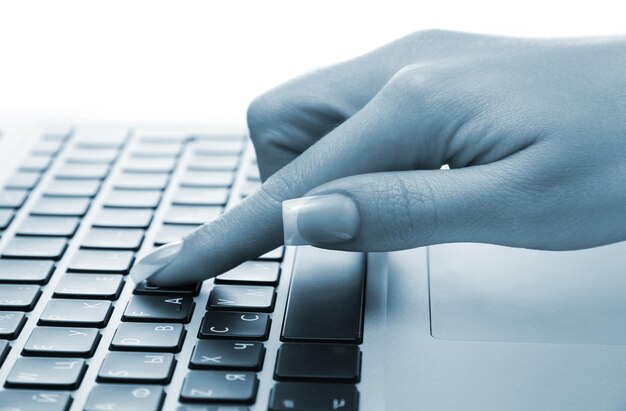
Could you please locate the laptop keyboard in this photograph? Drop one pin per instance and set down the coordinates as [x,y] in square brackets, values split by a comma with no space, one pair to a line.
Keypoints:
[282,332]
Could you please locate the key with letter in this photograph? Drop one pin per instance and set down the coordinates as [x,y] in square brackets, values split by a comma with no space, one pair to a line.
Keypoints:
[235,325]
[148,337]
[151,308]
[116,397]
[244,355]
[130,367]
[286,396]
[242,298]
[62,342]
[76,313]
[30,400]
[219,386]
[60,373]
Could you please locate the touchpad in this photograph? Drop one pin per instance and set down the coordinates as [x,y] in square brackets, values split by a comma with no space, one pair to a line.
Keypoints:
[490,293]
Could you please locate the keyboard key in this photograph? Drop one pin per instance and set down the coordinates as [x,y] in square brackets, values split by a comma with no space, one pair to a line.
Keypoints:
[76,313]
[35,247]
[102,261]
[18,297]
[142,181]
[11,324]
[28,400]
[235,325]
[144,288]
[148,337]
[62,342]
[287,396]
[227,354]
[92,156]
[172,232]
[115,239]
[192,215]
[47,147]
[90,286]
[4,350]
[36,163]
[125,398]
[326,297]
[218,147]
[49,373]
[159,150]
[323,362]
[12,198]
[6,216]
[26,180]
[59,206]
[72,171]
[200,162]
[212,408]
[207,179]
[123,218]
[275,254]
[241,298]
[133,368]
[219,386]
[201,196]
[101,137]
[49,226]
[150,308]
[251,272]
[72,188]
[133,199]
[150,165]
[25,271]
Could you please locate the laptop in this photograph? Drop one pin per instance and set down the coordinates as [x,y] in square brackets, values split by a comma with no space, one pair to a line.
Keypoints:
[448,327]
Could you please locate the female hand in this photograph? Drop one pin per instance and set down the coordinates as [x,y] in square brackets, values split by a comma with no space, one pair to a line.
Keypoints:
[534,133]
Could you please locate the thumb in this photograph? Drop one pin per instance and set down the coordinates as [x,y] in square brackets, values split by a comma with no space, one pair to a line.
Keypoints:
[398,210]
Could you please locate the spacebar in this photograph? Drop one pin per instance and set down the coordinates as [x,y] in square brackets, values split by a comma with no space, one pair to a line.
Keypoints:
[326,297]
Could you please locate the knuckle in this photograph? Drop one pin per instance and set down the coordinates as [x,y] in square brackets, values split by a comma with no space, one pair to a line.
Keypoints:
[260,114]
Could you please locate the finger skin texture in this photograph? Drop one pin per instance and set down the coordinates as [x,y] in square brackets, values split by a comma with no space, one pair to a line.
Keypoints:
[533,130]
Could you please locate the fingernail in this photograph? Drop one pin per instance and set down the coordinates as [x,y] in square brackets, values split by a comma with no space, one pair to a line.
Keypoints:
[154,261]
[318,220]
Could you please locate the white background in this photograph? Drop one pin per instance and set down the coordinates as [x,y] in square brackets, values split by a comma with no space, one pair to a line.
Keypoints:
[203,61]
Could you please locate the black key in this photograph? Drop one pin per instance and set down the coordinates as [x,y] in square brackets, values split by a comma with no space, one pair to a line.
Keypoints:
[201,162]
[207,179]
[11,324]
[4,350]
[192,215]
[150,165]
[212,408]
[251,272]
[26,180]
[326,297]
[25,271]
[123,218]
[133,368]
[102,261]
[27,400]
[201,196]
[76,313]
[6,216]
[59,206]
[18,297]
[12,198]
[62,342]
[144,288]
[115,239]
[72,188]
[275,254]
[72,171]
[92,156]
[133,199]
[172,232]
[227,354]
[219,386]
[49,373]
[36,163]
[287,396]
[323,362]
[95,286]
[148,337]
[150,308]
[35,247]
[218,147]
[49,226]
[241,298]
[232,325]
[142,181]
[111,397]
